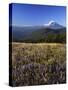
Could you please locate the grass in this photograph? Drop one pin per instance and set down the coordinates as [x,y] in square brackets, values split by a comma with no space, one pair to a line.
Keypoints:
[41,63]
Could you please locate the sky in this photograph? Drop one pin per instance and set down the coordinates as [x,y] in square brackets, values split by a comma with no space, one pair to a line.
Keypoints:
[27,14]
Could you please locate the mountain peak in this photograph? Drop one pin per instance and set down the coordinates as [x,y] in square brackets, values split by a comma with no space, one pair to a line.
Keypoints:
[53,25]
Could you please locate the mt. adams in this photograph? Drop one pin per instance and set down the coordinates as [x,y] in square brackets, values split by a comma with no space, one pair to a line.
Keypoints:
[53,25]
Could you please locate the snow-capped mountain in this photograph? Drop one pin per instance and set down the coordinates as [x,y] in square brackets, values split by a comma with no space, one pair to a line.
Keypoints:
[53,25]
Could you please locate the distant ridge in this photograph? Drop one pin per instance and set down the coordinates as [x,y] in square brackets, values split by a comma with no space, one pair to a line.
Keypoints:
[51,32]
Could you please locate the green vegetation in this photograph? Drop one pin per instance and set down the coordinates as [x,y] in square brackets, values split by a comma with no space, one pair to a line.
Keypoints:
[46,35]
[40,63]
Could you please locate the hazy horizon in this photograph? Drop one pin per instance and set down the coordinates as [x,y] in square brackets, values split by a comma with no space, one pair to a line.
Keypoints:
[35,25]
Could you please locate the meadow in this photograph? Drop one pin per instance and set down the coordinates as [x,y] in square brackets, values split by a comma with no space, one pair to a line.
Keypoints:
[38,63]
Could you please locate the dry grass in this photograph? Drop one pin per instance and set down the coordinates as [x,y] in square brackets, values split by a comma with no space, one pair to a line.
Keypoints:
[41,63]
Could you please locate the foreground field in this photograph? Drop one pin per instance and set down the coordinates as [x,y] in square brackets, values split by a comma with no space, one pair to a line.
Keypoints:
[35,64]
